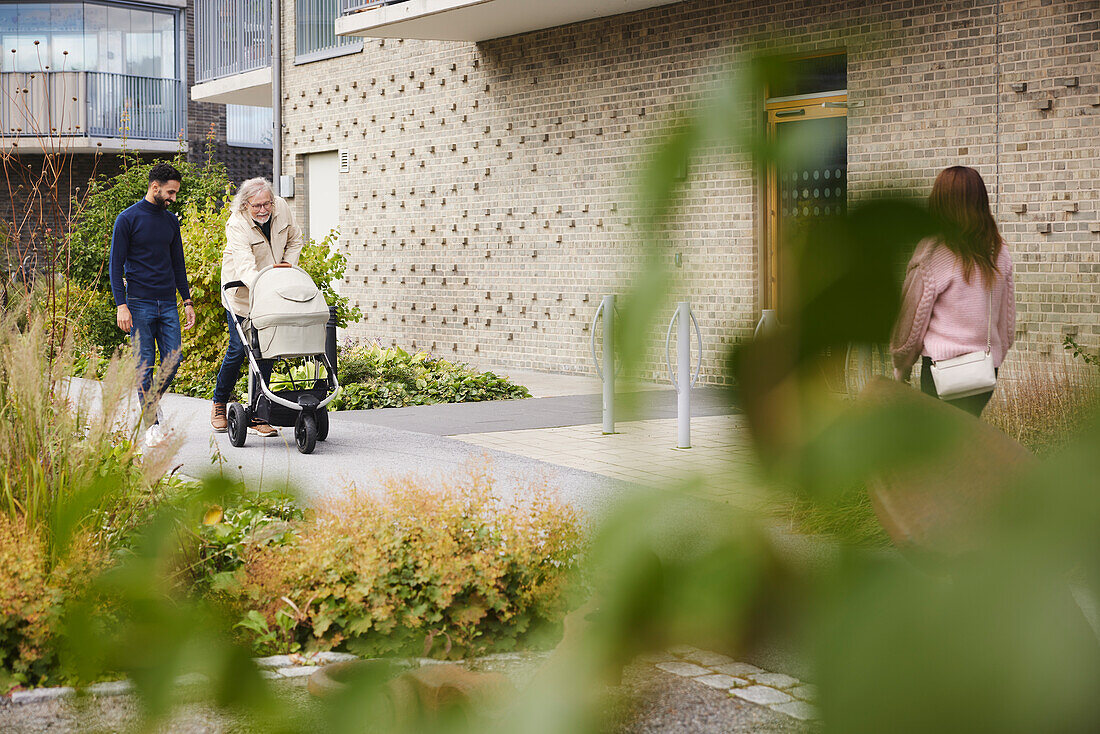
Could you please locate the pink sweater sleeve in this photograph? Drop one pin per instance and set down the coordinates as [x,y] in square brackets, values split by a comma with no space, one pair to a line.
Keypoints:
[917,297]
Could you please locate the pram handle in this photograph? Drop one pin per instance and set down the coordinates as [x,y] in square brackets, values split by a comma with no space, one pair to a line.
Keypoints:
[233,284]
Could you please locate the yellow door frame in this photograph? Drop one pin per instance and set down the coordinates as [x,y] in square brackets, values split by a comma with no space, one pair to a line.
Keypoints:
[780,112]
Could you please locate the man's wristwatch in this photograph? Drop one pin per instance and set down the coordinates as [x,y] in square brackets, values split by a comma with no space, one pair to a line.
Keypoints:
[188,303]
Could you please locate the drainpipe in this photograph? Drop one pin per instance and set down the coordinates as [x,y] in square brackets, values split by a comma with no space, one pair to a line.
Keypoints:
[276,96]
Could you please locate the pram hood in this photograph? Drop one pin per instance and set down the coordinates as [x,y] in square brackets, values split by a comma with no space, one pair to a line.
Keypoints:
[286,297]
[288,313]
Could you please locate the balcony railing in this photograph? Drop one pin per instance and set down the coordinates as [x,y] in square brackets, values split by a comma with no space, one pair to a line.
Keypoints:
[354,6]
[90,104]
[231,37]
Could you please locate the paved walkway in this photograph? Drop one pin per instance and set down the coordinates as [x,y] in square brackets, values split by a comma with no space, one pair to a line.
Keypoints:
[717,466]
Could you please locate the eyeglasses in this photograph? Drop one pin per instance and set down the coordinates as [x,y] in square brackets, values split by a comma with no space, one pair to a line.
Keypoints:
[262,205]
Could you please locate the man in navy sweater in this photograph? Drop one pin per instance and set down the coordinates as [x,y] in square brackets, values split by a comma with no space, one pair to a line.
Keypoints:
[147,268]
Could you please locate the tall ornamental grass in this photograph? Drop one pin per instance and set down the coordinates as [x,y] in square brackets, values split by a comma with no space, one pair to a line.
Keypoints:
[67,446]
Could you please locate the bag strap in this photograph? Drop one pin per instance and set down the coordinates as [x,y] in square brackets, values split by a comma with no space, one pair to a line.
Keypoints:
[989,326]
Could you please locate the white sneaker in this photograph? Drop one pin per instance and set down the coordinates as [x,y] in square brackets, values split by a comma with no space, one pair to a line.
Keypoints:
[154,436]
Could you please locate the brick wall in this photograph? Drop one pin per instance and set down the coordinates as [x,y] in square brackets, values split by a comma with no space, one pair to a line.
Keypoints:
[490,198]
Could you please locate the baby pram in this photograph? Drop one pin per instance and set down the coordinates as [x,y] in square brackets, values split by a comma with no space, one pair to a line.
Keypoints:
[287,318]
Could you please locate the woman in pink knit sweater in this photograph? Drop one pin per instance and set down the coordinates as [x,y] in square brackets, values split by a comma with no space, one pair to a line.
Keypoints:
[946,299]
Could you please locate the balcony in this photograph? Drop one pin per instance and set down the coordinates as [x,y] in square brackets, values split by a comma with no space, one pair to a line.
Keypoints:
[472,20]
[233,52]
[88,112]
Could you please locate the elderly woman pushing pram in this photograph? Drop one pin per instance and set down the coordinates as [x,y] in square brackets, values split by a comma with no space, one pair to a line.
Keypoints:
[273,309]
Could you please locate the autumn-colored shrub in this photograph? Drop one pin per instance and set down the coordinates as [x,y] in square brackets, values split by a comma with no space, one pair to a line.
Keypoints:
[418,567]
[26,607]
[31,597]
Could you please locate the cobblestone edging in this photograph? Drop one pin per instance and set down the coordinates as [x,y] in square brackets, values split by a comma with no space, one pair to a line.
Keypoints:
[275,667]
[776,691]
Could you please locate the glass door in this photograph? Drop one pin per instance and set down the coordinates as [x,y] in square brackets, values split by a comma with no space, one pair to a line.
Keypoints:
[805,188]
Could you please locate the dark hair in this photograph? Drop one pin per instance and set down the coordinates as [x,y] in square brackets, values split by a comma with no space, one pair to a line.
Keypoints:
[162,173]
[961,205]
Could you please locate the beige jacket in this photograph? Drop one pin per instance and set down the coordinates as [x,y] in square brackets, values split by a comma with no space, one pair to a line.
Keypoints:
[247,251]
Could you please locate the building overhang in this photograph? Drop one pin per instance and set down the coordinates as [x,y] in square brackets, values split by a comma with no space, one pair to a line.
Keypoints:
[478,20]
[88,145]
[252,88]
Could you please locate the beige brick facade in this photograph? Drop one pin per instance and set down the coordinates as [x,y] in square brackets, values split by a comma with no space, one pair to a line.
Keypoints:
[489,202]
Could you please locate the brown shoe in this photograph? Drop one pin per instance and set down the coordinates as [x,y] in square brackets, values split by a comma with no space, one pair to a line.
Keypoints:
[262,429]
[217,418]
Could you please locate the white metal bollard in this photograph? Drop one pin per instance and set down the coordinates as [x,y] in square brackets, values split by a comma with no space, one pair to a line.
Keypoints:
[684,380]
[607,373]
[608,306]
[683,372]
[768,324]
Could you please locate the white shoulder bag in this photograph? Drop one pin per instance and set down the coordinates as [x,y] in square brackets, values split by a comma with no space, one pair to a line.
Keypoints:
[968,374]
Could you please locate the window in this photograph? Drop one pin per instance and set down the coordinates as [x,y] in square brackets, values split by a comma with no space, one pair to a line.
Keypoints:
[315,35]
[248,127]
[88,37]
[806,108]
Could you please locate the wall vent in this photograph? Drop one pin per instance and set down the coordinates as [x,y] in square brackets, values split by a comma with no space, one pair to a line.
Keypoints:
[345,161]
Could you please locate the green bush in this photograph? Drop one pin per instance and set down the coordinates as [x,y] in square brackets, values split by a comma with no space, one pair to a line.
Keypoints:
[107,197]
[226,535]
[416,568]
[378,377]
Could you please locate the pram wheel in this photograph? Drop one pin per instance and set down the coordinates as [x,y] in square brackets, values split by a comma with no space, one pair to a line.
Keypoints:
[237,418]
[305,432]
[322,424]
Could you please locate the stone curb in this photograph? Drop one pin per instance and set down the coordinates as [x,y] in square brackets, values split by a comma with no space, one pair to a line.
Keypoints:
[274,667]
[779,692]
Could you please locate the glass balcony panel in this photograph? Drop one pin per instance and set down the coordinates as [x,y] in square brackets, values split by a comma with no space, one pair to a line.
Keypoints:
[95,30]
[140,60]
[164,26]
[85,92]
[118,25]
[67,35]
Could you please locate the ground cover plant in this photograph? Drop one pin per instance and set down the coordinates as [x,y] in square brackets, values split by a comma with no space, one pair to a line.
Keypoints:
[417,566]
[440,568]
[374,376]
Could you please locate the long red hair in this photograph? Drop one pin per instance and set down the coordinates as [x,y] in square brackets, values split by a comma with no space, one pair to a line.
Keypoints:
[960,203]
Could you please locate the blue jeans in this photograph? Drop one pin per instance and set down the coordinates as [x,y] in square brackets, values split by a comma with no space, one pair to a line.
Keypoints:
[235,356]
[156,327]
